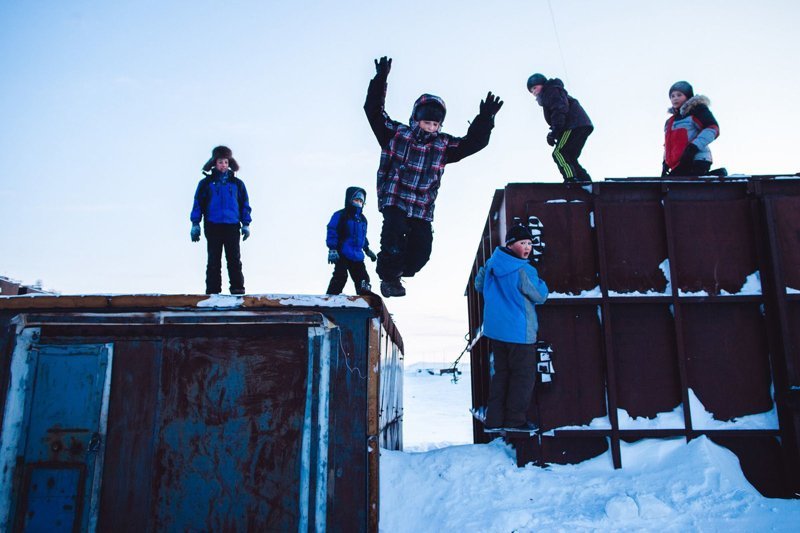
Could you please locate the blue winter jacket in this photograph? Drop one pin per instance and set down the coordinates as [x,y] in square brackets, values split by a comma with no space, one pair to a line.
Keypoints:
[221,199]
[511,287]
[349,236]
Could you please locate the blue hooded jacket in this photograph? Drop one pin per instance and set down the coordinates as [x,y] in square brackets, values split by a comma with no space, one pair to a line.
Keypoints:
[347,229]
[511,287]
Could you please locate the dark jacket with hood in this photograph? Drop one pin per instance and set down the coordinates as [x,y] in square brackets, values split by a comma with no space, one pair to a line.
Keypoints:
[694,124]
[413,160]
[347,229]
[221,199]
[561,111]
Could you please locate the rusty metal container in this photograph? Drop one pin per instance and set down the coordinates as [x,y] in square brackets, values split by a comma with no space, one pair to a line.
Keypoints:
[190,413]
[671,297]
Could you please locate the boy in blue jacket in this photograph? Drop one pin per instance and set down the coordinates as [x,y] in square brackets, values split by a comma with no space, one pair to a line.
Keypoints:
[221,200]
[511,287]
[347,244]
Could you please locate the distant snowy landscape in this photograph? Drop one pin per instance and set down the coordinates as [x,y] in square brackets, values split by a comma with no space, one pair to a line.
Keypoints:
[442,482]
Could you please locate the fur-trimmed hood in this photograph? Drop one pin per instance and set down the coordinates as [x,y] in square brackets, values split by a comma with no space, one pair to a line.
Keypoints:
[690,105]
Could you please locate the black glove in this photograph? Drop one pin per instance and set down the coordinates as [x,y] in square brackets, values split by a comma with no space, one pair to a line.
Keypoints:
[687,157]
[491,105]
[382,67]
[552,138]
[333,256]
[369,253]
[664,169]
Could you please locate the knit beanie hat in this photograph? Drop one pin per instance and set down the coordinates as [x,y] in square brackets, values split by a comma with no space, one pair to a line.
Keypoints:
[359,195]
[221,152]
[536,79]
[683,87]
[429,111]
[518,233]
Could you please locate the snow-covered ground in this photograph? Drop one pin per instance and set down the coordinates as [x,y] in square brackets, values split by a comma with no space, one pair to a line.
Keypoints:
[441,482]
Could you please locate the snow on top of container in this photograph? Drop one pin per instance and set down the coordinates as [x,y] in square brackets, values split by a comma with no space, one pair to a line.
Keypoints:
[295,300]
[791,290]
[221,300]
[339,300]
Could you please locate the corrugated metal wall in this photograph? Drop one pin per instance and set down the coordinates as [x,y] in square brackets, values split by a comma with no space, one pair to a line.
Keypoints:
[676,299]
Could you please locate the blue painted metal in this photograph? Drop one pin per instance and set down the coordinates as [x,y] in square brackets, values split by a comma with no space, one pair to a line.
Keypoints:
[61,434]
[53,499]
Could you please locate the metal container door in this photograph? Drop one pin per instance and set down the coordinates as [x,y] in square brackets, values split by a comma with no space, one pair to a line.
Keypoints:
[62,444]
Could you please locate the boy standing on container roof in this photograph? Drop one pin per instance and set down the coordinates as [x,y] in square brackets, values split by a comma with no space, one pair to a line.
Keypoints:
[221,200]
[511,288]
[687,133]
[413,158]
[348,244]
[570,126]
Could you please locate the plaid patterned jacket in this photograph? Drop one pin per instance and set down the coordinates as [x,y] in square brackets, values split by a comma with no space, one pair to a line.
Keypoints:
[413,160]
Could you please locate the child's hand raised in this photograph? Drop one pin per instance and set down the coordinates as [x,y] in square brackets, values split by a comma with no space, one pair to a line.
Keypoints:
[491,105]
[382,67]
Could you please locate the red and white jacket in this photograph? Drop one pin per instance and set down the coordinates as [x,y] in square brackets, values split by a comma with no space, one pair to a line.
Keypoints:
[692,123]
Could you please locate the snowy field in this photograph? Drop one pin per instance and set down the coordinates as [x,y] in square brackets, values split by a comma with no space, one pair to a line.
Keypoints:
[442,482]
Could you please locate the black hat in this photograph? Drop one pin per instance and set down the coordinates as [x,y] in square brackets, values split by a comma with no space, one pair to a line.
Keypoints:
[682,86]
[518,233]
[536,79]
[429,111]
[221,152]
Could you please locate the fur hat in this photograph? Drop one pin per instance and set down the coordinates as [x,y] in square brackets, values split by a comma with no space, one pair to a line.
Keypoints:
[683,87]
[536,79]
[221,152]
[518,233]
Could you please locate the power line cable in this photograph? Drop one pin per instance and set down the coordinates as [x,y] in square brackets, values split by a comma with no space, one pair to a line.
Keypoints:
[558,42]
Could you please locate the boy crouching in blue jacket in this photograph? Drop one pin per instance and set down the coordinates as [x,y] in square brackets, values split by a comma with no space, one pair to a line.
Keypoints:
[511,288]
[347,244]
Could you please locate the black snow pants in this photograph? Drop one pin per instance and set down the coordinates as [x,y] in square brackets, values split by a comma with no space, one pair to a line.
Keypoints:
[511,389]
[358,273]
[219,236]
[405,244]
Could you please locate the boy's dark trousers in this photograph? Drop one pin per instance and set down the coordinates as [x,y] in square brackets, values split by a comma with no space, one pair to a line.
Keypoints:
[358,273]
[405,244]
[569,146]
[512,384]
[221,236]
[698,167]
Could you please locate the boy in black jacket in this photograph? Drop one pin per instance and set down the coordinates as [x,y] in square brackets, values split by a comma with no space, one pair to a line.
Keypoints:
[569,125]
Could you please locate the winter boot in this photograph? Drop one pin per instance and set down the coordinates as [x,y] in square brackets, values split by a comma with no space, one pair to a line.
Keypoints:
[392,287]
[364,288]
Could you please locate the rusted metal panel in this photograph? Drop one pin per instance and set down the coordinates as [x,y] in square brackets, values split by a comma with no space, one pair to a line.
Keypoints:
[577,396]
[634,269]
[570,263]
[126,498]
[234,419]
[728,359]
[690,283]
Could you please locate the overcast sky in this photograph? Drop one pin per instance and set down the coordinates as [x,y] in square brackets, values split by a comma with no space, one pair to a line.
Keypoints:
[110,109]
